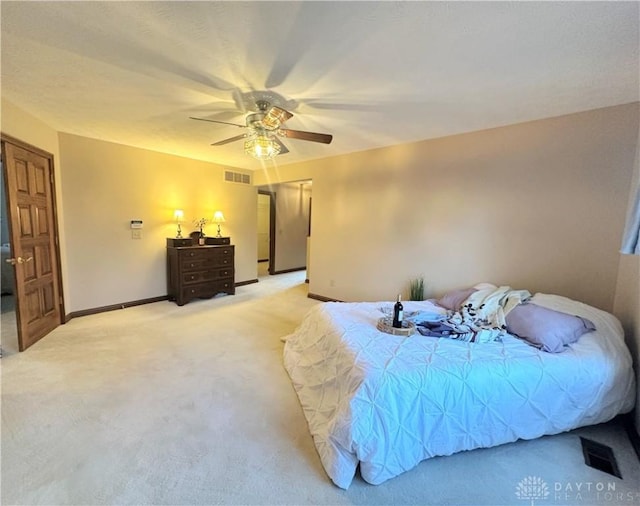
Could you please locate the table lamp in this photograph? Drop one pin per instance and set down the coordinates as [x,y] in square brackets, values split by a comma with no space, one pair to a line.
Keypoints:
[218,218]
[178,216]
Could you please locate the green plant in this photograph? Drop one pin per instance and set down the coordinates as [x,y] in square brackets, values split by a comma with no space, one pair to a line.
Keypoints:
[416,289]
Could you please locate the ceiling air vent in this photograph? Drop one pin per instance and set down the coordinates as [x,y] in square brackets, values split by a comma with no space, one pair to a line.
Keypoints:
[237,177]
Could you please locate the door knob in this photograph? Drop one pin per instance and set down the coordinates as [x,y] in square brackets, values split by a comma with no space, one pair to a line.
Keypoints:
[19,260]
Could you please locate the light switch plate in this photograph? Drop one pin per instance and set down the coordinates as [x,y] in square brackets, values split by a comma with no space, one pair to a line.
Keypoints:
[136,233]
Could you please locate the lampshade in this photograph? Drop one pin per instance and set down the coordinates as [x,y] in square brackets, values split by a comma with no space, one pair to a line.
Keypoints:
[261,146]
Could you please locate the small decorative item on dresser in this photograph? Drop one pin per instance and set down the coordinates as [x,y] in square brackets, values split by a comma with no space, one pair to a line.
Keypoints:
[200,224]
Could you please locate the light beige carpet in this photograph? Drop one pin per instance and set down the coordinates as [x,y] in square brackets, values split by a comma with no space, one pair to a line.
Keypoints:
[160,404]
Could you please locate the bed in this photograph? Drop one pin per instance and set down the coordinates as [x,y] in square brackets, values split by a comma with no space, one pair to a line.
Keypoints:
[385,402]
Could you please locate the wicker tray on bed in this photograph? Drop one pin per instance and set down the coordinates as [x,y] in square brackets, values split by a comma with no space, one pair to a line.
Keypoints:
[385,324]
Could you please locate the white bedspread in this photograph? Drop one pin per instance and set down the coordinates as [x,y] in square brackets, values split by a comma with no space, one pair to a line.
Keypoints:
[387,402]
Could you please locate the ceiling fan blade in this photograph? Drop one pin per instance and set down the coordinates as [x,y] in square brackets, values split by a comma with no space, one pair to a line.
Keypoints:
[230,139]
[216,121]
[228,115]
[283,148]
[275,117]
[306,136]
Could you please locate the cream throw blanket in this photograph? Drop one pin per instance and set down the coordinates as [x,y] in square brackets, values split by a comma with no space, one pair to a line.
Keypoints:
[493,303]
[481,319]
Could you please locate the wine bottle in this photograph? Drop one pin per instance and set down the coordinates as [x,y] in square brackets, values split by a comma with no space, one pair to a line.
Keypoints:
[398,314]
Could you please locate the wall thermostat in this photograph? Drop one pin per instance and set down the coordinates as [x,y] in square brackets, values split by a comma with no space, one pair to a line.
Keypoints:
[136,224]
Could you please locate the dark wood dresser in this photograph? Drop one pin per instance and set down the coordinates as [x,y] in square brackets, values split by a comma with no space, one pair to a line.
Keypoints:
[199,271]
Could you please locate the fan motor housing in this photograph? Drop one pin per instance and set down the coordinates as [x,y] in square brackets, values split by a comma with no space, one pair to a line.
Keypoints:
[255,120]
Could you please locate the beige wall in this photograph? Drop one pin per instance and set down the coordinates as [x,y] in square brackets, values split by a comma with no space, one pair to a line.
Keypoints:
[107,185]
[276,175]
[627,300]
[27,128]
[539,205]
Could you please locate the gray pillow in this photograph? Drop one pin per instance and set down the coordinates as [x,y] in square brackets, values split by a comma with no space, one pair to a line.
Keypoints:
[453,300]
[545,328]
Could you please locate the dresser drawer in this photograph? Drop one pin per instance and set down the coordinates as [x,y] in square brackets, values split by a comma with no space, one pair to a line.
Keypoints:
[223,257]
[206,290]
[194,254]
[223,254]
[196,264]
[207,275]
[217,240]
[199,259]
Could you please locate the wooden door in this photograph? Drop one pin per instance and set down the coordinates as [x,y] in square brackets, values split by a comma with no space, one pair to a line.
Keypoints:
[31,210]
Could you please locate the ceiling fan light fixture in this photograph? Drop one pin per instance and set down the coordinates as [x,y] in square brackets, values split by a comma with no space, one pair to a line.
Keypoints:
[261,146]
[275,117]
[264,126]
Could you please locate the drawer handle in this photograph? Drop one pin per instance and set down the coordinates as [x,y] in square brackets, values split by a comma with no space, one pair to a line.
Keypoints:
[191,253]
[193,277]
[192,265]
[193,291]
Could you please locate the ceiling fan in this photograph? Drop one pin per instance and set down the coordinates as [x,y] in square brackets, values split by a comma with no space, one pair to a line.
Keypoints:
[264,127]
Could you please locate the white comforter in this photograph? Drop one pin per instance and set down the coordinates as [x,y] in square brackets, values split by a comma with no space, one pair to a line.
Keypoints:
[387,402]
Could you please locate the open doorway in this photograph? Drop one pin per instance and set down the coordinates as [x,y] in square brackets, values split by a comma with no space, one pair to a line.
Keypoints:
[266,232]
[287,233]
[7,281]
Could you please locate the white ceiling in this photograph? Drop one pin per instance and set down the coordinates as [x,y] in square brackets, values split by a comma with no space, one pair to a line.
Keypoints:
[371,73]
